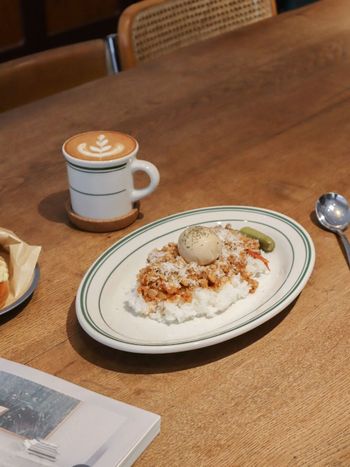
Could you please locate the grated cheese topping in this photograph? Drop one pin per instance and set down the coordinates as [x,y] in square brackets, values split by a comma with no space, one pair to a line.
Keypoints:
[168,277]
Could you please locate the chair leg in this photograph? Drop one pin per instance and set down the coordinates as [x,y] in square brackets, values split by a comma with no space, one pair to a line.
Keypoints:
[111,51]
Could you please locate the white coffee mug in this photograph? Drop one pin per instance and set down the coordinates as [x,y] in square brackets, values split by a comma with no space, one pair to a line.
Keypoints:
[100,166]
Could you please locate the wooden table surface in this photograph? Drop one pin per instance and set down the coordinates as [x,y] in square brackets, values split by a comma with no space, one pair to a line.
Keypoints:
[258,117]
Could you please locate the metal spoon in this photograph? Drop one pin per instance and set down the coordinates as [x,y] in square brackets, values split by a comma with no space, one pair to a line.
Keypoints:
[333,212]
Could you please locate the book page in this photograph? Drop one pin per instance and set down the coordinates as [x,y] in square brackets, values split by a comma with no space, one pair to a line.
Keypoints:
[74,425]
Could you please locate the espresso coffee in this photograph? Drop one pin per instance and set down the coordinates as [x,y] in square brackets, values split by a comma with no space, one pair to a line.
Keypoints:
[100,145]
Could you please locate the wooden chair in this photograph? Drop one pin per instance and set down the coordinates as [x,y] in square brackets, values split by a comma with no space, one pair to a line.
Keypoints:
[151,28]
[39,75]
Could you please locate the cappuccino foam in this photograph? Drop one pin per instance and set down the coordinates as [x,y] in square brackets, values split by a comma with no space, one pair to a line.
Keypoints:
[100,145]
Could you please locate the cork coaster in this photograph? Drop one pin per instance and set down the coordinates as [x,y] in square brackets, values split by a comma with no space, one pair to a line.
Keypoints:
[102,225]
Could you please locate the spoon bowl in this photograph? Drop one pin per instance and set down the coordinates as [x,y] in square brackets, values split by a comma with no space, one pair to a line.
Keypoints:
[333,213]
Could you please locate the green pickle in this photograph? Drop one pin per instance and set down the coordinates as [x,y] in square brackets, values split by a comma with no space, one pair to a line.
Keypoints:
[266,243]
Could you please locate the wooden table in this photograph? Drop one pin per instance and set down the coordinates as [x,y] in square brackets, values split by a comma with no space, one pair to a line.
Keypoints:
[258,117]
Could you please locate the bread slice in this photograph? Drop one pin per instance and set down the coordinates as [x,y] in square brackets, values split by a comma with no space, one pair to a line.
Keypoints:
[4,292]
[4,283]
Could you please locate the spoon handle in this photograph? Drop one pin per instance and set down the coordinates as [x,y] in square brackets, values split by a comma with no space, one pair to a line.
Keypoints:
[346,244]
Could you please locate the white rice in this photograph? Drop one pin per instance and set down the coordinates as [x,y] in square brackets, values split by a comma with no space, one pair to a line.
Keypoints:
[205,302]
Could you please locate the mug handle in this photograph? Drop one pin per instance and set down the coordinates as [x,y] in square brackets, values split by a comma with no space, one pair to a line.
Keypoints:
[153,173]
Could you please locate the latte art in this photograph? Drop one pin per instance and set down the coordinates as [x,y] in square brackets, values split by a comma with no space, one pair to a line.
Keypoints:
[100,146]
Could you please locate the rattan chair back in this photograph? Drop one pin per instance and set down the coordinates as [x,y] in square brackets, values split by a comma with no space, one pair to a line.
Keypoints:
[151,28]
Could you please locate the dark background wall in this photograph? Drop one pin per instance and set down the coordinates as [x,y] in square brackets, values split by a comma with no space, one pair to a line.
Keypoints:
[29,26]
[284,5]
[35,25]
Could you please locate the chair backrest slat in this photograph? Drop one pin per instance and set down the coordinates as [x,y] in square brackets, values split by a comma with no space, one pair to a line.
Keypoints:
[153,27]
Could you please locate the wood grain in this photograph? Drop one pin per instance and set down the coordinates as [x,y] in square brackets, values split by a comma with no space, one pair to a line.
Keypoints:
[257,117]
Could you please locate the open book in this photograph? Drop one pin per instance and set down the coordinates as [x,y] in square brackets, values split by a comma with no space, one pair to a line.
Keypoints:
[46,421]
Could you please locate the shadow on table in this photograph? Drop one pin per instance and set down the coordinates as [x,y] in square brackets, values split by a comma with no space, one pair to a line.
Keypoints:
[53,208]
[15,311]
[313,219]
[126,362]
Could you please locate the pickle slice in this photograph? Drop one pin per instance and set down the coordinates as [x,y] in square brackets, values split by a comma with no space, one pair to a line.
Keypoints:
[266,243]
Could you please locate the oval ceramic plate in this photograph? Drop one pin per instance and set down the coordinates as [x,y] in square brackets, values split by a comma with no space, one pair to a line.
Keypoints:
[101,299]
[26,294]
